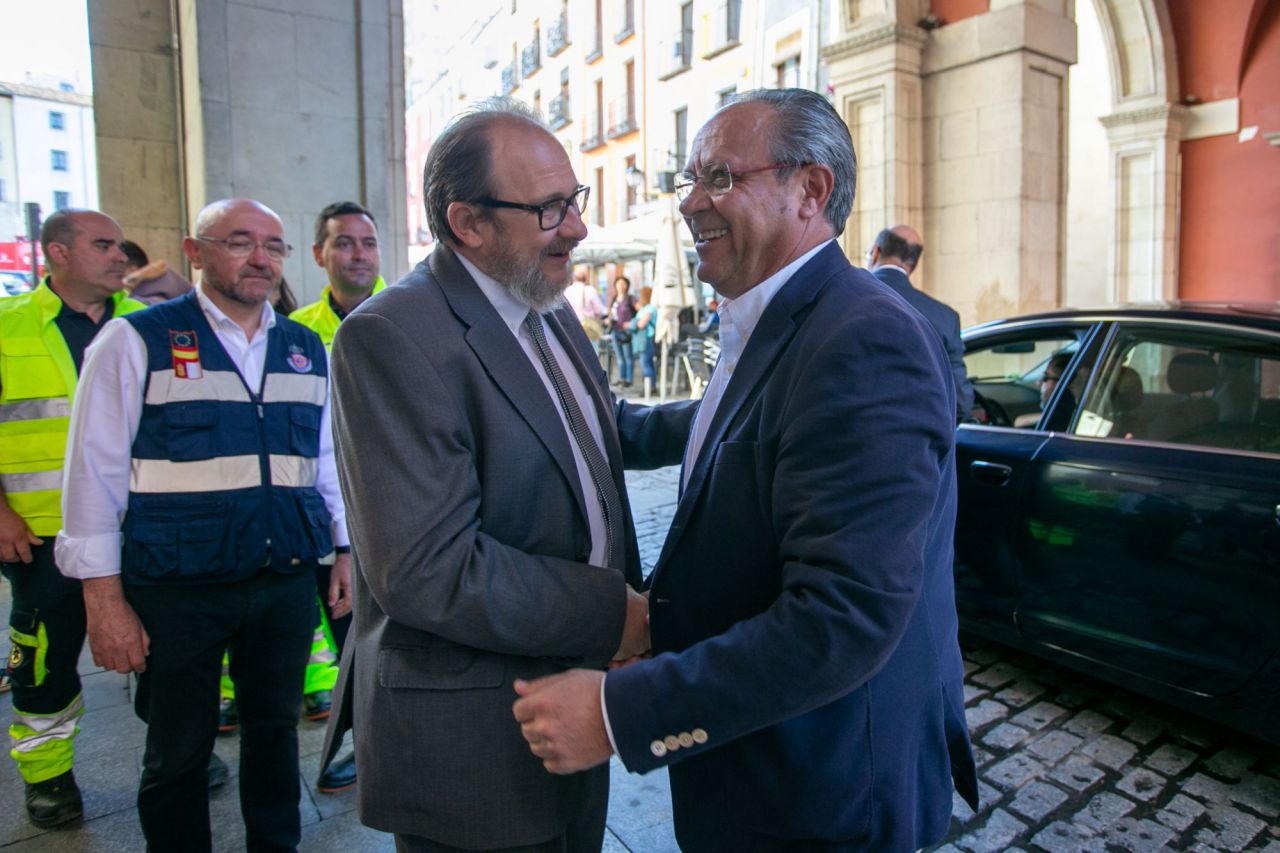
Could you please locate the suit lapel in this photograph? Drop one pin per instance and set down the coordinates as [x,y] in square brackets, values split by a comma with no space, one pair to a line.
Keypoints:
[506,363]
[770,337]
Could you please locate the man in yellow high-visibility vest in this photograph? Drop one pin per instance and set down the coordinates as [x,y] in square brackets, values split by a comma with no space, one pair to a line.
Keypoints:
[43,336]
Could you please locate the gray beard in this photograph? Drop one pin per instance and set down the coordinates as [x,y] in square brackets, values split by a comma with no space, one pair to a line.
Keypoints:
[525,281]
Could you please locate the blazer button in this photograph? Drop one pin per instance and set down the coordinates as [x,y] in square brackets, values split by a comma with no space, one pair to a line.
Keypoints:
[671,742]
[658,748]
[686,739]
[699,735]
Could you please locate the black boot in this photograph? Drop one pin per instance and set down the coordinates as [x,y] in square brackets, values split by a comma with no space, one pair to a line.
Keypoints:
[54,801]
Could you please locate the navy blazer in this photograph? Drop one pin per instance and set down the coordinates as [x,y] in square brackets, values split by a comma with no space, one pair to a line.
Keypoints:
[946,322]
[807,683]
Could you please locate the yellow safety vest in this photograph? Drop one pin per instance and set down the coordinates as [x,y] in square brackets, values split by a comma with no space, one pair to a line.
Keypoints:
[37,383]
[319,316]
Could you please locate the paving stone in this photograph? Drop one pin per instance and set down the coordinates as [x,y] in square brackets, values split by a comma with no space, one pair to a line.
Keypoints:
[1039,715]
[984,654]
[981,756]
[1053,746]
[1143,730]
[973,693]
[1230,829]
[1037,800]
[1062,837]
[1140,836]
[994,835]
[1272,846]
[970,666]
[997,676]
[1259,793]
[1142,784]
[1208,789]
[1230,763]
[1087,723]
[1005,736]
[1013,771]
[1170,759]
[1197,735]
[1022,692]
[1075,695]
[984,713]
[1076,773]
[1109,751]
[1103,810]
[1180,812]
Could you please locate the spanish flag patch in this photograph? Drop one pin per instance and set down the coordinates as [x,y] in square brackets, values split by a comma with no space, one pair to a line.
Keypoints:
[186,355]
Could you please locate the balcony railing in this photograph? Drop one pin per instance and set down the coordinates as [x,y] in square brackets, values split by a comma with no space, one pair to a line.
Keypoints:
[510,80]
[593,131]
[558,35]
[726,26]
[558,114]
[622,117]
[676,54]
[628,27]
[530,58]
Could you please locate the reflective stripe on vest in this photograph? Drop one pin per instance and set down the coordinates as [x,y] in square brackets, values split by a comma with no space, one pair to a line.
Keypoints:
[36,481]
[31,410]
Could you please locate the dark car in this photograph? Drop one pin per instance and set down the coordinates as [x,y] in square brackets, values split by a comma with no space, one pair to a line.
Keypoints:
[1120,508]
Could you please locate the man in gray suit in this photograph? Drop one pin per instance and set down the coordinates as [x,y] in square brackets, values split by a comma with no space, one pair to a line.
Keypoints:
[892,259]
[482,453]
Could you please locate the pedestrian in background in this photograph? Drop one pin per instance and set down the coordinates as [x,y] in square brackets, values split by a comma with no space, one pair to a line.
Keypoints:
[645,326]
[621,312]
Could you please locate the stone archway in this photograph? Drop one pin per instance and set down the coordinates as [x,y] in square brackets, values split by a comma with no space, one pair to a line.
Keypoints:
[1143,129]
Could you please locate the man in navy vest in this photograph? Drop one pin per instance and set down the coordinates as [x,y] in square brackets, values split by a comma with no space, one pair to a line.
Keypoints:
[206,534]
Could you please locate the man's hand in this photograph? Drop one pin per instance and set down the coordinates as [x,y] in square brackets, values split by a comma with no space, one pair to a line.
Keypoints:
[340,587]
[635,631]
[561,718]
[16,538]
[116,635]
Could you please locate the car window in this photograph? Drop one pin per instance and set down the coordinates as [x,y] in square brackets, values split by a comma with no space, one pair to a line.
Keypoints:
[1189,387]
[1015,374]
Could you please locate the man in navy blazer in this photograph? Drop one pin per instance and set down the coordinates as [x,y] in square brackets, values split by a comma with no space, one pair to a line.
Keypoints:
[806,684]
[892,259]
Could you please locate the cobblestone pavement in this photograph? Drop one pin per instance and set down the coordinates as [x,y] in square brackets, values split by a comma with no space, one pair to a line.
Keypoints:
[1067,763]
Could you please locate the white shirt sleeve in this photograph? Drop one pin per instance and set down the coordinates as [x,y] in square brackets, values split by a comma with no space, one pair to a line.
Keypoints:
[95,478]
[604,713]
[327,475]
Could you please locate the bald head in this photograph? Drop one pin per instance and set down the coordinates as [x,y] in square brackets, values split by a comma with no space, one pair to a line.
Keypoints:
[216,212]
[900,246]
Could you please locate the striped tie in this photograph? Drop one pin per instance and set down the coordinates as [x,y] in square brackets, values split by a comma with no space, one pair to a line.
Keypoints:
[606,491]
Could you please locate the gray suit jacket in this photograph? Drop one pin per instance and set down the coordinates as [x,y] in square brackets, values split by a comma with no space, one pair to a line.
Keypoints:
[946,322]
[470,539]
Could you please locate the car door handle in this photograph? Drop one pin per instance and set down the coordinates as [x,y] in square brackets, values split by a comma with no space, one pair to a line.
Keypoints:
[991,472]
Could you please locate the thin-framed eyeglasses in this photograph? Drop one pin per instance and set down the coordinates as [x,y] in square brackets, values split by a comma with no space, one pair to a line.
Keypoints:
[717,178]
[242,247]
[551,214]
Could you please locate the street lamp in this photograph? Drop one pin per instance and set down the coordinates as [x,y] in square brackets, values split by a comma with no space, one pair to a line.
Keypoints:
[635,180]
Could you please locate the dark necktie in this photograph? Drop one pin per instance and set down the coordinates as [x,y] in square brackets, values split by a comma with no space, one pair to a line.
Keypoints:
[606,491]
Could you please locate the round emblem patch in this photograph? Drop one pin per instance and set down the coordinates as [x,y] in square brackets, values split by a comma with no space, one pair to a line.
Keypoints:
[15,657]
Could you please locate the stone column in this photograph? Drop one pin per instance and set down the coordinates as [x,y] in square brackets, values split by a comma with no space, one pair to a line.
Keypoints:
[875,73]
[1142,259]
[994,147]
[297,103]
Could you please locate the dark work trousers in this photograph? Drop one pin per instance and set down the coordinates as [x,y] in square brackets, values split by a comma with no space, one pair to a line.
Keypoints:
[338,627]
[266,624]
[42,596]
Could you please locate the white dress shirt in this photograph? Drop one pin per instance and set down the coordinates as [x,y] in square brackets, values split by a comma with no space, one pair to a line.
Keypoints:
[738,319]
[513,312]
[104,423]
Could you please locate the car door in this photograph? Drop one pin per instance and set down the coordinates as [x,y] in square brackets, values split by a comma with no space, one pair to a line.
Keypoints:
[1005,363]
[1163,496]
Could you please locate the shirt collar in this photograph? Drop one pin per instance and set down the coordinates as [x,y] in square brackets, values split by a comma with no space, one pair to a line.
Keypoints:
[511,310]
[891,267]
[218,318]
[739,316]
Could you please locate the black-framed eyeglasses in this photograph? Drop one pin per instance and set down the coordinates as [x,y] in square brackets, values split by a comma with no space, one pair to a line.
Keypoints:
[717,178]
[242,247]
[551,214]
